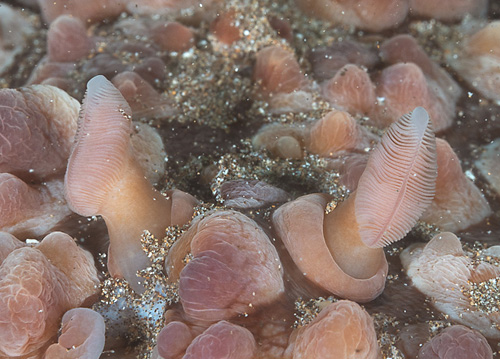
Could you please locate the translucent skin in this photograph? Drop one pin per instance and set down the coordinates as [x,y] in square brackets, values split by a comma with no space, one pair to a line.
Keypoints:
[372,15]
[7,244]
[173,36]
[251,194]
[17,200]
[477,60]
[342,330]
[277,70]
[14,31]
[405,48]
[143,99]
[104,177]
[37,124]
[67,40]
[31,211]
[448,10]
[32,301]
[327,61]
[224,29]
[37,285]
[458,202]
[271,138]
[173,340]
[342,250]
[304,218]
[88,12]
[442,271]
[488,164]
[403,86]
[457,342]
[337,131]
[215,284]
[82,336]
[222,340]
[351,90]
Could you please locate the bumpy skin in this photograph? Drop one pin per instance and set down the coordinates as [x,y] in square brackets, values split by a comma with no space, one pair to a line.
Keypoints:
[342,330]
[36,287]
[223,340]
[32,299]
[215,285]
[441,270]
[457,342]
[37,124]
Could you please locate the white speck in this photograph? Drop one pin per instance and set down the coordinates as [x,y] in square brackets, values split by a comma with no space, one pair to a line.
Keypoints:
[470,175]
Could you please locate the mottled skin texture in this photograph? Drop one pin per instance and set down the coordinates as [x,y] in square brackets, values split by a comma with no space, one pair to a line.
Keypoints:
[31,211]
[457,342]
[222,340]
[215,284]
[342,330]
[441,270]
[37,126]
[17,200]
[36,287]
